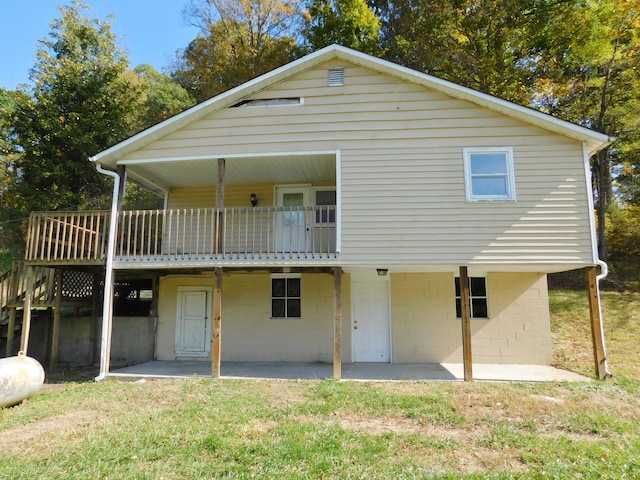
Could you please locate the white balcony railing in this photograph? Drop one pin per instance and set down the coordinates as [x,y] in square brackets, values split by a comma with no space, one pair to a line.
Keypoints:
[186,235]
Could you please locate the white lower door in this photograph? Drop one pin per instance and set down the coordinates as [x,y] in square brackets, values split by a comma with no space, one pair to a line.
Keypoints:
[193,323]
[371,318]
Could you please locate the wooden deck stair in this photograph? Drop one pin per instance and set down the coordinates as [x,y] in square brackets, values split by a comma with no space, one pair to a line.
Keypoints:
[13,289]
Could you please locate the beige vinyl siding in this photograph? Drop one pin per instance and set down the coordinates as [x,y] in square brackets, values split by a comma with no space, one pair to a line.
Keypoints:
[186,220]
[235,196]
[403,197]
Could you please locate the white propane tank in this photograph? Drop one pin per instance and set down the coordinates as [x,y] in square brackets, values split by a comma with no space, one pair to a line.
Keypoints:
[21,377]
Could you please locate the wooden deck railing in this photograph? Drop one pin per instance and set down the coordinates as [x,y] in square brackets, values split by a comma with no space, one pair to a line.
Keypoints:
[186,235]
[67,236]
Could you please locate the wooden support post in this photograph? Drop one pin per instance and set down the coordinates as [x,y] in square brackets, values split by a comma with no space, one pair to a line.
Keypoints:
[11,330]
[337,323]
[95,318]
[55,332]
[121,170]
[220,206]
[216,334]
[155,301]
[26,311]
[465,309]
[12,299]
[599,356]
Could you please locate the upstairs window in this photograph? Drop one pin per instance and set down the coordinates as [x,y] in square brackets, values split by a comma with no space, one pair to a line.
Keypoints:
[477,297]
[488,174]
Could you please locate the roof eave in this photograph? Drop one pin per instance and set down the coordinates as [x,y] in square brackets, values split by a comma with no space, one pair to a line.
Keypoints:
[595,141]
[110,156]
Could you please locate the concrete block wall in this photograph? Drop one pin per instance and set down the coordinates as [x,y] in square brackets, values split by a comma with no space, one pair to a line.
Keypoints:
[248,331]
[132,340]
[425,328]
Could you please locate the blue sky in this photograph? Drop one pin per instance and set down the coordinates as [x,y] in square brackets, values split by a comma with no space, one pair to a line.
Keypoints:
[150,30]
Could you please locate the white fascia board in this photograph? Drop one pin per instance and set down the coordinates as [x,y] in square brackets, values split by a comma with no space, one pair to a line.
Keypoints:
[226,156]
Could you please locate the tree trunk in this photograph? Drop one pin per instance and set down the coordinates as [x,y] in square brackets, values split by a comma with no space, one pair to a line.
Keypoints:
[602,177]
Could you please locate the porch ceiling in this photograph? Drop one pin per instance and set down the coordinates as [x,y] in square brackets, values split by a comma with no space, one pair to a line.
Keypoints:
[166,173]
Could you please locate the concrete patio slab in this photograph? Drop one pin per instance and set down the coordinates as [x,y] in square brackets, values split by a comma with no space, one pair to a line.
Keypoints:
[350,371]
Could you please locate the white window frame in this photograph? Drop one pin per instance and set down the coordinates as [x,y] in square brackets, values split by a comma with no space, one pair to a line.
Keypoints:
[271,297]
[509,174]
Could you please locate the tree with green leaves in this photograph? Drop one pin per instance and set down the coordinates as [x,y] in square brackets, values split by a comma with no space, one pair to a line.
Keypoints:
[162,97]
[350,23]
[81,102]
[239,40]
[10,232]
[590,77]
[487,45]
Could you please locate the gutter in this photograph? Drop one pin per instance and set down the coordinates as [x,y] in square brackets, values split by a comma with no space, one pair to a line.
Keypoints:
[107,313]
[604,271]
[604,268]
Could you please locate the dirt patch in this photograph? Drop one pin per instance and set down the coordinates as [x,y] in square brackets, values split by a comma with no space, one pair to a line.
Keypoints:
[41,434]
[376,425]
[465,454]
[285,395]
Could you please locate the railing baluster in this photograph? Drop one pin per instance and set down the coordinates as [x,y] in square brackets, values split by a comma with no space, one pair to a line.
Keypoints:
[197,234]
[93,238]
[183,219]
[188,234]
[170,225]
[84,235]
[157,236]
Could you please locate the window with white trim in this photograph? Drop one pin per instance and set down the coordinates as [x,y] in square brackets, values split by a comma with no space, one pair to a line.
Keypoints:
[477,297]
[488,174]
[286,294]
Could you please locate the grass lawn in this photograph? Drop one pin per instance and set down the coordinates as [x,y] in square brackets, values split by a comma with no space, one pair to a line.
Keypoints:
[199,428]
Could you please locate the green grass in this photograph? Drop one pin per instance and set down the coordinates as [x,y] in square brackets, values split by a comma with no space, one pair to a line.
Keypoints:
[199,428]
[571,331]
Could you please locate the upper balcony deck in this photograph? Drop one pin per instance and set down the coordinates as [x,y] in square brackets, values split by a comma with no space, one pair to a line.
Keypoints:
[195,237]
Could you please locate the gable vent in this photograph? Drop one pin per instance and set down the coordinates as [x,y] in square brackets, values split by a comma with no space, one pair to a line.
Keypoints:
[336,77]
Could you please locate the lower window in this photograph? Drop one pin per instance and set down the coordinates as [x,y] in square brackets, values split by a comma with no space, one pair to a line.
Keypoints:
[477,297]
[285,297]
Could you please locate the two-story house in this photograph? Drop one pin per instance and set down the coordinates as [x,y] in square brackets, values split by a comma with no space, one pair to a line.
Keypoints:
[326,212]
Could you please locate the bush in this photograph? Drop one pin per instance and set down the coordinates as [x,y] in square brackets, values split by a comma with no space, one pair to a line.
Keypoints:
[623,234]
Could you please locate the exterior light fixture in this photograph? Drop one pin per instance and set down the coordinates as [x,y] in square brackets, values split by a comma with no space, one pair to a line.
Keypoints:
[253,198]
[382,272]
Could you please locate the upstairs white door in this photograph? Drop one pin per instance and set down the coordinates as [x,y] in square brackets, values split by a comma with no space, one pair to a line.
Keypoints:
[193,323]
[371,318]
[292,227]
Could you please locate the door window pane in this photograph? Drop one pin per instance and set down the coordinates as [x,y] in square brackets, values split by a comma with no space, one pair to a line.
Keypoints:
[326,198]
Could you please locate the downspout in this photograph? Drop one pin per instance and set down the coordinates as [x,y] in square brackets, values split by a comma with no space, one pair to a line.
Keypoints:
[604,271]
[604,268]
[107,313]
